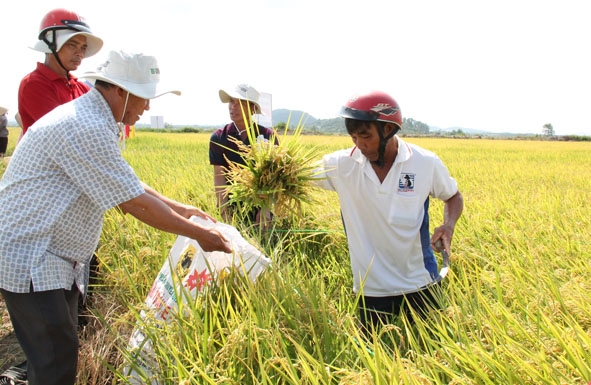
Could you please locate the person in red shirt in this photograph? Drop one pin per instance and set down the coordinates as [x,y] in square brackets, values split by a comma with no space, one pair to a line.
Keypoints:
[66,40]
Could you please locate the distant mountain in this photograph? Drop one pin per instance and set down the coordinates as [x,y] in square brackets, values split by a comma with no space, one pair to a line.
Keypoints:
[337,126]
[310,123]
[474,132]
[293,116]
[470,131]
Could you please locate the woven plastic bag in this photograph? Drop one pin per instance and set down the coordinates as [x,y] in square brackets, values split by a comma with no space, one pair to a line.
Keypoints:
[194,270]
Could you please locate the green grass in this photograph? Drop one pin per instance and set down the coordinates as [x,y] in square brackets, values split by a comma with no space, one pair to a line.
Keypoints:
[516,299]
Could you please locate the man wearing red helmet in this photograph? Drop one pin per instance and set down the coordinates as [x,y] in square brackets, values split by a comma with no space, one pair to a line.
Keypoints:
[384,185]
[66,39]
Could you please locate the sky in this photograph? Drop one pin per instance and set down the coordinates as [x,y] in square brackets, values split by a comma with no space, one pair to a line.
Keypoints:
[496,66]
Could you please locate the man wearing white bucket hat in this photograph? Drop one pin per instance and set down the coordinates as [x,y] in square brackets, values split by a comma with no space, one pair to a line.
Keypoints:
[66,40]
[66,172]
[243,103]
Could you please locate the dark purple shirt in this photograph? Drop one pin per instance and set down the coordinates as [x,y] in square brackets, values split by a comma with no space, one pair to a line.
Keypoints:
[220,144]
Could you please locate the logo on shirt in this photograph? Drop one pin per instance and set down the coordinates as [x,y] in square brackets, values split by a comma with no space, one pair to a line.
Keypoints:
[406,183]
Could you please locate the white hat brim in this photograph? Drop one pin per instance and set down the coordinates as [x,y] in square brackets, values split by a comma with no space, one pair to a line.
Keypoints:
[226,96]
[94,44]
[141,90]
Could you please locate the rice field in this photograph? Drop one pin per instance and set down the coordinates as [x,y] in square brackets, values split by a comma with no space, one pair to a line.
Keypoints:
[517,299]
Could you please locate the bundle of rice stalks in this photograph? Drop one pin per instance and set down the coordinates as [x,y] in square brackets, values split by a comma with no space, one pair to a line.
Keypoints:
[279,178]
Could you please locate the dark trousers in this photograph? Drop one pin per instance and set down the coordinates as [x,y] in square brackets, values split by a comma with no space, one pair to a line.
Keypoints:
[375,311]
[45,324]
[3,145]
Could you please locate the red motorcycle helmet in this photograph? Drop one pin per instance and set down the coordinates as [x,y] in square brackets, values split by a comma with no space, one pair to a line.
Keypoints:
[63,19]
[58,26]
[373,106]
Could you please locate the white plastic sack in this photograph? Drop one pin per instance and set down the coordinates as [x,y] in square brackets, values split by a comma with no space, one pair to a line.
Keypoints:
[194,270]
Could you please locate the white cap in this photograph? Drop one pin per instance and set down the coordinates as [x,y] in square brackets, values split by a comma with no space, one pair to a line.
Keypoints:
[94,43]
[243,92]
[136,73]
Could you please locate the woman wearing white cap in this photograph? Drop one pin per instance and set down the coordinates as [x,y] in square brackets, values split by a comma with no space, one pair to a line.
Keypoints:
[243,103]
[66,40]
[66,172]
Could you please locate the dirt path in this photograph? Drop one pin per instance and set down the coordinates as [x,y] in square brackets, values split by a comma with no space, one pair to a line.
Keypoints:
[10,350]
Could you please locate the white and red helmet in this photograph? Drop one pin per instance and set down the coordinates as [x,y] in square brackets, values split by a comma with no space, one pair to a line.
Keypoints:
[373,106]
[60,25]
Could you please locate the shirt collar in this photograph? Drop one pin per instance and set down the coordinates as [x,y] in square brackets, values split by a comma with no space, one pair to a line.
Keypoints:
[51,75]
[404,152]
[97,99]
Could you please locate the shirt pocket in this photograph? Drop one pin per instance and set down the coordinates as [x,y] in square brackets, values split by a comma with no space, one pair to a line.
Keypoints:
[406,211]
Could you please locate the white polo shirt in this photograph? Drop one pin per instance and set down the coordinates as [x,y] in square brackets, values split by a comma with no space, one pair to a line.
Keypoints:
[387,224]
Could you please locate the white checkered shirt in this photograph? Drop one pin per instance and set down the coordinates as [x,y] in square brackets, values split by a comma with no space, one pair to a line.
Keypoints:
[64,174]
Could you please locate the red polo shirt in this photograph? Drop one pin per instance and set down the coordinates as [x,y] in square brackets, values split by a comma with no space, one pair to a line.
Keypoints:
[42,90]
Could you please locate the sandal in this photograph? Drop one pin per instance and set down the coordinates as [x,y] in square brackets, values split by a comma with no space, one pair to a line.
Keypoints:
[15,375]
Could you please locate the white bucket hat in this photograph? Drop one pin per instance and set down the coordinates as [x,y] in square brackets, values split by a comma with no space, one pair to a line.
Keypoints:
[243,92]
[93,42]
[136,73]
[3,110]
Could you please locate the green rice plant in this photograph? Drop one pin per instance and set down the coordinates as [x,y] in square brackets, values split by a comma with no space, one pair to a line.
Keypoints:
[279,178]
[515,303]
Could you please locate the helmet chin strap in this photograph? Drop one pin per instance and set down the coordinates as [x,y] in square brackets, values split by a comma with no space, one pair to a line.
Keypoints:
[53,47]
[121,125]
[383,142]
